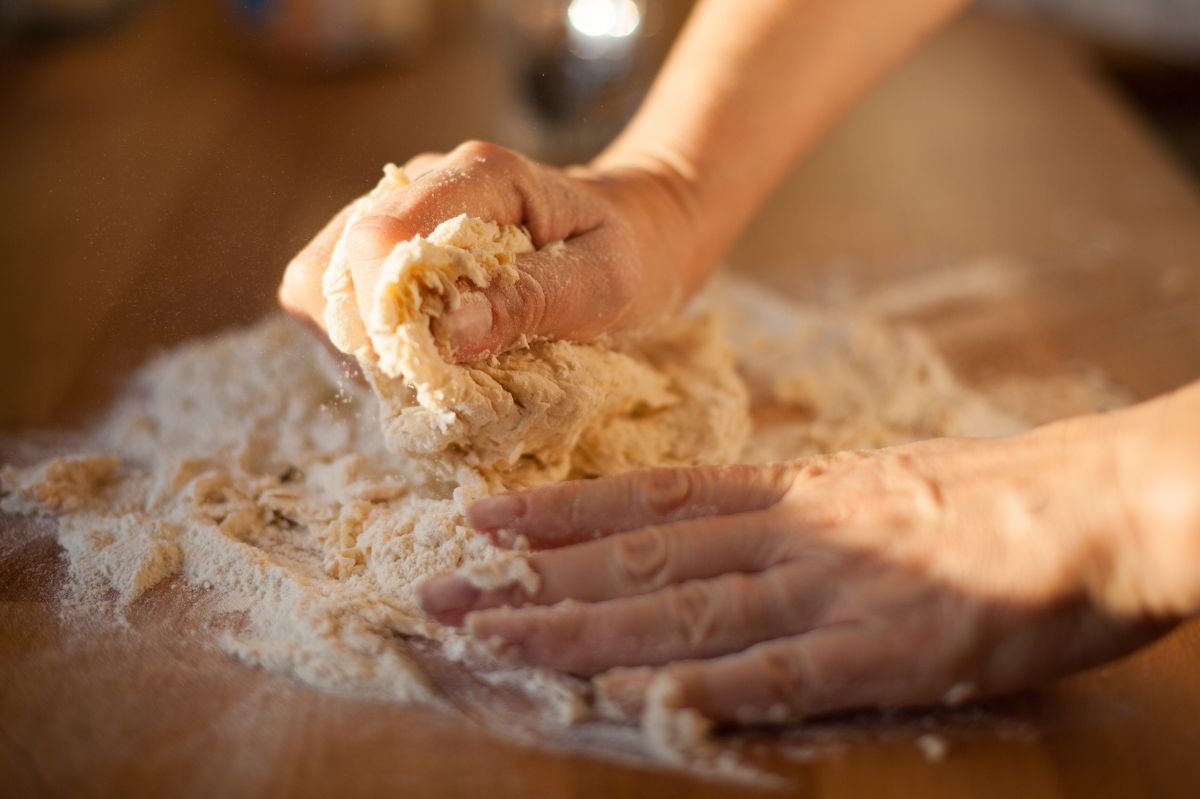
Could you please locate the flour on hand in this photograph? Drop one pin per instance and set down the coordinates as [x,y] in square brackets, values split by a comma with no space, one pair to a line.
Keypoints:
[545,411]
[244,465]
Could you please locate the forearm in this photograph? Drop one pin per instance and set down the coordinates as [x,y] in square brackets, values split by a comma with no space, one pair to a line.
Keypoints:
[750,87]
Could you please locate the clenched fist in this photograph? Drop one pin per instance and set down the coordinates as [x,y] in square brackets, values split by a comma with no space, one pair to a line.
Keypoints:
[627,257]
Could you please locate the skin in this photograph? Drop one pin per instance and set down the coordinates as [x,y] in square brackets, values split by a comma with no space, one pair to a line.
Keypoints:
[649,219]
[936,571]
[932,572]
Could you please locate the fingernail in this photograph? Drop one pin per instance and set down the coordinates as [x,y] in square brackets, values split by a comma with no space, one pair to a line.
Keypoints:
[507,539]
[666,490]
[621,693]
[466,327]
[489,628]
[450,595]
[495,513]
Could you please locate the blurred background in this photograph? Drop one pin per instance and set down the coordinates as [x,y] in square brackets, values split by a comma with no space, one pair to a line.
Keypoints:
[566,74]
[162,159]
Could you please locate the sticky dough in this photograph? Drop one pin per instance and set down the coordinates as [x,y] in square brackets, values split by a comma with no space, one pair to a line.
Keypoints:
[545,411]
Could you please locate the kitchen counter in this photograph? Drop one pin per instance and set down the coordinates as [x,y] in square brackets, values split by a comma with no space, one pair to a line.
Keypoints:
[155,184]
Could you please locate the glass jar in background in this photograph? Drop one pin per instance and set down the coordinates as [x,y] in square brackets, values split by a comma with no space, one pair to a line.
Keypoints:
[577,71]
[332,35]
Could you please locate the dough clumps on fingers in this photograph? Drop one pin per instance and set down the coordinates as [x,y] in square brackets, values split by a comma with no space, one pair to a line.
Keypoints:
[545,411]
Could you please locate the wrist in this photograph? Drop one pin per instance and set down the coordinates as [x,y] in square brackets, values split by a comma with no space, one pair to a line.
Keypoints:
[662,165]
[1159,477]
[659,195]
[1112,514]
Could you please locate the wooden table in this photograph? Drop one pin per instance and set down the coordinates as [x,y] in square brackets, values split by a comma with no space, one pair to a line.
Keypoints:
[147,168]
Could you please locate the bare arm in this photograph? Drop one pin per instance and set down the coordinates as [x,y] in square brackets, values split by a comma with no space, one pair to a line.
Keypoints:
[753,85]
[749,88]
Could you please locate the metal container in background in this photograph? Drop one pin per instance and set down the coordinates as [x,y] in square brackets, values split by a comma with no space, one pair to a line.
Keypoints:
[332,35]
[577,71]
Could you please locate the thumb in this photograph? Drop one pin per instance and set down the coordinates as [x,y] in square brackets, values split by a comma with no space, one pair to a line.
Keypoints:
[573,292]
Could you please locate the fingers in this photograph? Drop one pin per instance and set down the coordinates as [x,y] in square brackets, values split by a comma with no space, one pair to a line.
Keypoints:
[301,295]
[477,179]
[572,292]
[581,510]
[419,164]
[492,183]
[622,566]
[831,669]
[300,291]
[576,291]
[696,619]
[589,287]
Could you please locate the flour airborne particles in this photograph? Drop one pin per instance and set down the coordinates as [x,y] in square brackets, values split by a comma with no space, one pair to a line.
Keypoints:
[310,507]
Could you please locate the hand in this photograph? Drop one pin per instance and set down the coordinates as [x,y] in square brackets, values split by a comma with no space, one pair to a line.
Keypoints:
[626,261]
[930,572]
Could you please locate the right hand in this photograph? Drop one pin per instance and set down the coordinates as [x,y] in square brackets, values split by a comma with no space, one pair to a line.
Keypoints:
[627,259]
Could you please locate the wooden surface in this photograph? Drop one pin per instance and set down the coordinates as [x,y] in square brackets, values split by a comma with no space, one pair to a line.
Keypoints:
[154,184]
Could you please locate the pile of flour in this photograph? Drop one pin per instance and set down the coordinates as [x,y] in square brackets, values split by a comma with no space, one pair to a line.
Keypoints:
[247,466]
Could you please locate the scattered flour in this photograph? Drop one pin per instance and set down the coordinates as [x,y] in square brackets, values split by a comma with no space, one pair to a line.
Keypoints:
[503,572]
[674,731]
[243,463]
[822,381]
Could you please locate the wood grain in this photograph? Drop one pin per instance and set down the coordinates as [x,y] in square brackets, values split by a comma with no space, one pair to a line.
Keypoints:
[148,169]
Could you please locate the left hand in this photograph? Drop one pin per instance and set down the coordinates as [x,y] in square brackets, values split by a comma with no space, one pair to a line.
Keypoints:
[628,256]
[906,576]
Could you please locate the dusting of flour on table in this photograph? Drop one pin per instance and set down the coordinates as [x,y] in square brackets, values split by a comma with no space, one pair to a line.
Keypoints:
[243,463]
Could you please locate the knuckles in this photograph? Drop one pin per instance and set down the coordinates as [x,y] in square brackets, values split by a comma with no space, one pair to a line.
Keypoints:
[373,237]
[884,486]
[642,560]
[787,672]
[921,493]
[531,306]
[779,479]
[663,492]
[516,309]
[487,154]
[694,613]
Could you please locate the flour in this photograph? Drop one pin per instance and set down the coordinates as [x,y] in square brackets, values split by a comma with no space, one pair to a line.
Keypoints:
[545,411]
[503,572]
[242,463]
[823,381]
[674,731]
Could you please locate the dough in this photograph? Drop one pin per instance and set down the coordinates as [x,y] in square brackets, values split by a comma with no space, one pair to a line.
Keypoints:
[545,411]
[240,472]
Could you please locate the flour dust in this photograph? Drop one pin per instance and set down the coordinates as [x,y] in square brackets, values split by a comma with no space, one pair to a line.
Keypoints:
[244,465]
